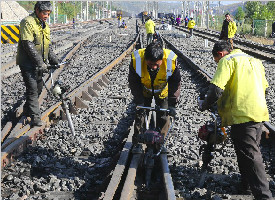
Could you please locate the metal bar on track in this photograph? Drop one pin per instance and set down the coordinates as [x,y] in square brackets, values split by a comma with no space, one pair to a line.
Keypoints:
[169,187]
[118,172]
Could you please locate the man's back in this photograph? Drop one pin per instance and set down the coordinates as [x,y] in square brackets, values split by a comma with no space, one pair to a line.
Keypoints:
[242,78]
[150,26]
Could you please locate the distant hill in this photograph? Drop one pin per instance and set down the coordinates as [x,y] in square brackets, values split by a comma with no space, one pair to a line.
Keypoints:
[232,8]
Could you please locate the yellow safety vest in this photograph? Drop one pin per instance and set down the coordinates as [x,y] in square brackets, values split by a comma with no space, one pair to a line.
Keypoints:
[166,70]
[150,26]
[242,78]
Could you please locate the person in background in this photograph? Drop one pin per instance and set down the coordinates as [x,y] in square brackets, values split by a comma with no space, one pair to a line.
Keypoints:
[186,20]
[191,25]
[229,29]
[119,20]
[34,53]
[239,88]
[150,29]
[153,72]
[178,21]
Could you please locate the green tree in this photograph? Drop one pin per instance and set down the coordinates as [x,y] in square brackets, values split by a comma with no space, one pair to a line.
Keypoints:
[264,13]
[252,9]
[271,8]
[240,14]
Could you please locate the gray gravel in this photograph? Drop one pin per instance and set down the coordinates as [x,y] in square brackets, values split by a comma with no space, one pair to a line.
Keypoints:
[67,166]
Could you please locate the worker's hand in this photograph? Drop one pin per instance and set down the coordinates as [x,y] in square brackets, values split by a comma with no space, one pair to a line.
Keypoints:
[200,102]
[44,68]
[172,111]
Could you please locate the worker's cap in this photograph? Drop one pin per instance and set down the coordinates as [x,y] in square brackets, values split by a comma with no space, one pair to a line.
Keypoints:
[43,5]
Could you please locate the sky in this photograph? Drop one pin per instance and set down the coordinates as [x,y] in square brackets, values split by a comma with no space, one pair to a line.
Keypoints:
[229,2]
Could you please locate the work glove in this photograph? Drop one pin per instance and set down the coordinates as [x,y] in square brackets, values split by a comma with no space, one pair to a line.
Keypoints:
[44,68]
[172,111]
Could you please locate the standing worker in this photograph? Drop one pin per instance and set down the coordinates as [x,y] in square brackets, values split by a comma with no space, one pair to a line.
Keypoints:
[239,87]
[229,29]
[153,72]
[119,19]
[150,29]
[186,20]
[178,21]
[191,25]
[34,52]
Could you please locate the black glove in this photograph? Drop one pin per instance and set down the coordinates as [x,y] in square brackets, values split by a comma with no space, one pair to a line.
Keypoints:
[172,111]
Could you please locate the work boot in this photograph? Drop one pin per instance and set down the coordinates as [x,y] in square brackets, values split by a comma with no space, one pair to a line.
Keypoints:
[36,121]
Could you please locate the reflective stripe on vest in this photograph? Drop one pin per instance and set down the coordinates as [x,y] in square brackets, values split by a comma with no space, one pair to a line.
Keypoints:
[156,91]
[169,64]
[138,63]
[238,54]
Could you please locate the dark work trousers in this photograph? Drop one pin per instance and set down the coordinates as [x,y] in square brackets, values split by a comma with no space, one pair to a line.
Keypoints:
[246,138]
[230,41]
[34,84]
[149,38]
[161,117]
[191,32]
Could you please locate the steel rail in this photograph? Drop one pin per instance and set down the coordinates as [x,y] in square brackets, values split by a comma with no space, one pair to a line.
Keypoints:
[19,110]
[27,134]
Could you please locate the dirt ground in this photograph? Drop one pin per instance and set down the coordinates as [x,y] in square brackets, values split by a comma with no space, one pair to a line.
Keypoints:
[261,40]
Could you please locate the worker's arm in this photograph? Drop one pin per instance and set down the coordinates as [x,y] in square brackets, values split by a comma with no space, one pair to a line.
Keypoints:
[174,84]
[135,85]
[53,59]
[212,96]
[28,40]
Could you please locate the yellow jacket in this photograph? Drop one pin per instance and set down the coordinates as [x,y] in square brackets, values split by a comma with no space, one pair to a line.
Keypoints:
[166,70]
[31,30]
[232,28]
[150,26]
[242,78]
[191,24]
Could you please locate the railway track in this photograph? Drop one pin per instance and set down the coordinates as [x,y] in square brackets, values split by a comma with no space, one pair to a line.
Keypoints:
[115,175]
[17,80]
[256,50]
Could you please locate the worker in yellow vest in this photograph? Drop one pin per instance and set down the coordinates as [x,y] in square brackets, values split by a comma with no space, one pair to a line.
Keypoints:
[119,20]
[191,25]
[150,29]
[229,29]
[154,73]
[239,86]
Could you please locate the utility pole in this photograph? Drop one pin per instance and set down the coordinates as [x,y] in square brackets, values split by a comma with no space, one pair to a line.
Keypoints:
[53,12]
[208,10]
[107,10]
[81,11]
[87,10]
[202,14]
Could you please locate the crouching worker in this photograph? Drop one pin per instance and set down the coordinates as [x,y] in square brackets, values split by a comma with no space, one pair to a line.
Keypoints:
[34,52]
[239,86]
[154,72]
